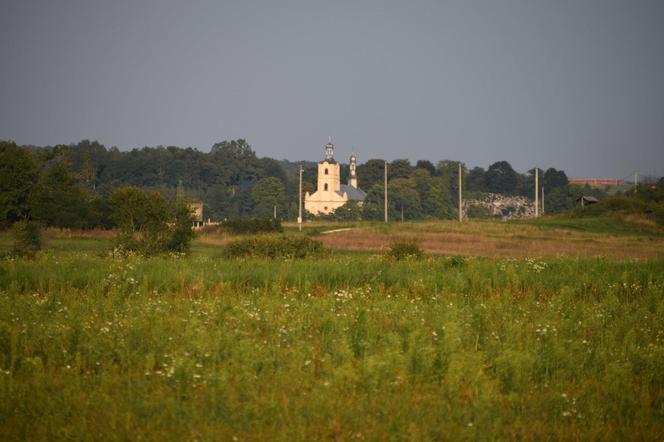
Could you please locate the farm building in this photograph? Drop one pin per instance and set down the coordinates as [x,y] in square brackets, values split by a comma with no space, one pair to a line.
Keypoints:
[586,200]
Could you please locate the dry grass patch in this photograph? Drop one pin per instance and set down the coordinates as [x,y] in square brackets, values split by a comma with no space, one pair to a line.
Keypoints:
[497,239]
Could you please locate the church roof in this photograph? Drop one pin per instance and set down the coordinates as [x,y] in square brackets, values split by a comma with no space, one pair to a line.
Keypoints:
[354,194]
[328,160]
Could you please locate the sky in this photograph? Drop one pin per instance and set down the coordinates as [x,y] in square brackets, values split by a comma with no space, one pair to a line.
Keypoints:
[573,84]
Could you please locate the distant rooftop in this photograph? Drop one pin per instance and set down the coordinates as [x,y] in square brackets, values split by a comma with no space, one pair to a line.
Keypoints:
[354,194]
[597,181]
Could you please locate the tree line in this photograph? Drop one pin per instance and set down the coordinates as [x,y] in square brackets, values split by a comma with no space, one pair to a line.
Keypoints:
[70,186]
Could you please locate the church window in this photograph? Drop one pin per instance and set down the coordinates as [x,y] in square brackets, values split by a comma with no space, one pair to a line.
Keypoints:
[325,186]
[326,171]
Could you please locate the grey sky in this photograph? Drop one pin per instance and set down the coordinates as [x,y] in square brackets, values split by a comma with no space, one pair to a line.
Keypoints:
[572,84]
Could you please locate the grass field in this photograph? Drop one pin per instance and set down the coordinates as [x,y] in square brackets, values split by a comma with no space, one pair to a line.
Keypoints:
[504,344]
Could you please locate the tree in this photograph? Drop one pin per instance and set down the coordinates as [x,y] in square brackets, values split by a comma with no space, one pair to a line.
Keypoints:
[373,206]
[437,202]
[399,169]
[148,224]
[526,183]
[18,174]
[558,200]
[27,238]
[449,172]
[554,178]
[426,165]
[475,181]
[181,232]
[235,161]
[350,211]
[59,201]
[268,193]
[434,195]
[370,173]
[404,199]
[501,178]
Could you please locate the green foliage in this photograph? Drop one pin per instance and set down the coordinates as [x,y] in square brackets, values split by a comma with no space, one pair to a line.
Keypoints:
[182,233]
[405,249]
[58,200]
[267,194]
[515,370]
[554,179]
[27,238]
[501,178]
[351,211]
[18,174]
[399,169]
[371,173]
[456,261]
[474,180]
[148,224]
[403,198]
[280,246]
[346,347]
[233,182]
[373,206]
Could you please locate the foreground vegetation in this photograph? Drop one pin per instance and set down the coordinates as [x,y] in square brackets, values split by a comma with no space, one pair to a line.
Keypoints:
[345,347]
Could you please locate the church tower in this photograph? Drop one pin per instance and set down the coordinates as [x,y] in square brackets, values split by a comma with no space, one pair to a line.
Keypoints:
[329,173]
[331,194]
[352,177]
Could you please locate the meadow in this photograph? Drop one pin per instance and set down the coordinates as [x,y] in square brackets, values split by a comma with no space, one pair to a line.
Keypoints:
[350,345]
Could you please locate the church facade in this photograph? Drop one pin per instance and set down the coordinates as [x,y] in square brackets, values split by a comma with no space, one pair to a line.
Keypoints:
[330,193]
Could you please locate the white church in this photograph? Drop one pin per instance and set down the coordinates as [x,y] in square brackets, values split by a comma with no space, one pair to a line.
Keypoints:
[330,193]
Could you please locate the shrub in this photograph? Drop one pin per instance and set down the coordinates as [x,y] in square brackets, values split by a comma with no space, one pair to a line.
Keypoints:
[405,249]
[456,261]
[27,238]
[148,224]
[181,232]
[274,247]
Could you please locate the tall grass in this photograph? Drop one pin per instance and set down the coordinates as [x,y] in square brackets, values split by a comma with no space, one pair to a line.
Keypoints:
[338,347]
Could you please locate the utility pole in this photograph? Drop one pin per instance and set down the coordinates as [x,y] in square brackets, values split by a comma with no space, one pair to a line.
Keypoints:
[460,195]
[299,207]
[536,192]
[385,191]
[542,200]
[636,181]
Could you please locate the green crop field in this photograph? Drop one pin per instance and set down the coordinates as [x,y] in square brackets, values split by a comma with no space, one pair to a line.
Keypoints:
[345,346]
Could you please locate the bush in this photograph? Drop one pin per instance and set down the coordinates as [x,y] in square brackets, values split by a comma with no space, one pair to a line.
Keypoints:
[274,247]
[148,224]
[27,238]
[181,232]
[405,249]
[456,261]
[252,226]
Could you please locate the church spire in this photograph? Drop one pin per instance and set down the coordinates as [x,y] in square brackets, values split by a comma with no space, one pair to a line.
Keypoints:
[352,178]
[329,149]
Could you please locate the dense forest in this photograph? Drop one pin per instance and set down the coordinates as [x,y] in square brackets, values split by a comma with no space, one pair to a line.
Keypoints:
[69,185]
